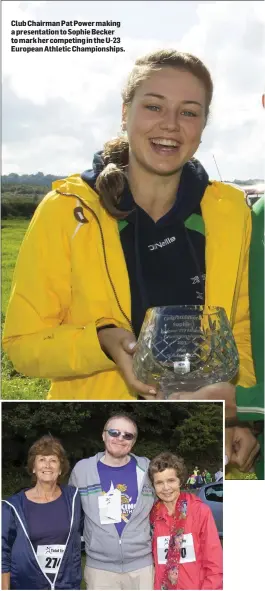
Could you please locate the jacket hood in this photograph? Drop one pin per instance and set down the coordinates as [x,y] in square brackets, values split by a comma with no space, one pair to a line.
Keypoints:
[17,497]
[142,462]
[74,186]
[193,182]
[192,186]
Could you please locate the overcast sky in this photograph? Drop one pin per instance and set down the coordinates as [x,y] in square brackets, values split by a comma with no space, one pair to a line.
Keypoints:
[59,108]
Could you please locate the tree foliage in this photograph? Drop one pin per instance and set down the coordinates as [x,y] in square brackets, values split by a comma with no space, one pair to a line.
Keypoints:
[31,179]
[191,429]
[21,200]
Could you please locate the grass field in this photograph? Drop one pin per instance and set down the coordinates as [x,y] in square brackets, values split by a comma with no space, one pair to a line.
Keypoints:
[14,385]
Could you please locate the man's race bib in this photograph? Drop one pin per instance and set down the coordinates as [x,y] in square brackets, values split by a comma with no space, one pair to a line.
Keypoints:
[110,507]
[50,557]
[187,552]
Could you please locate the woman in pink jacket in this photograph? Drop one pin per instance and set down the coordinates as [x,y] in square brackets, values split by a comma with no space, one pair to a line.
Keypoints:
[186,547]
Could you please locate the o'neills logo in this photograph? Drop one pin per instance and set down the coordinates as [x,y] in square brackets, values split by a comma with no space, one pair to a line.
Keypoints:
[161,244]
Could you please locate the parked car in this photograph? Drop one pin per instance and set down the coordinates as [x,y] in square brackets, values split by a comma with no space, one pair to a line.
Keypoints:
[212,495]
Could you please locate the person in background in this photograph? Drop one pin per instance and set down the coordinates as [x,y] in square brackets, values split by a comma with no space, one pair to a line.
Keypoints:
[247,404]
[186,547]
[199,479]
[244,405]
[245,448]
[42,525]
[192,481]
[93,243]
[219,474]
[117,498]
[203,477]
[208,476]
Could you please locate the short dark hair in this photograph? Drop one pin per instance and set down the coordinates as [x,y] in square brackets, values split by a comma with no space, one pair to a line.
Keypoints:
[167,460]
[48,446]
[122,415]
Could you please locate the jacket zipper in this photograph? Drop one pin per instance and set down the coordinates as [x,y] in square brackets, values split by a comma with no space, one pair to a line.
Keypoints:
[52,584]
[104,251]
[71,525]
[236,291]
[138,501]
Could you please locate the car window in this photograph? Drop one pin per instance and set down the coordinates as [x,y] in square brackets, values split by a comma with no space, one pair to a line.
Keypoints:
[214,493]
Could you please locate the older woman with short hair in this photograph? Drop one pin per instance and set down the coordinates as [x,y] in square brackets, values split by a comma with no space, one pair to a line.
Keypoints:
[42,525]
[186,548]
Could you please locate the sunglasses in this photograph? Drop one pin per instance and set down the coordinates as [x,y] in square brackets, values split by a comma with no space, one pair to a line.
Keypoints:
[116,433]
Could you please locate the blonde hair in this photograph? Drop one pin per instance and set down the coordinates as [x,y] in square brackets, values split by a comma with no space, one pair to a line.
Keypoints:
[111,181]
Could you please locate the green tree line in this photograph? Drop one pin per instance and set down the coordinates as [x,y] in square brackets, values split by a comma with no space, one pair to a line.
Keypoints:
[21,194]
[31,179]
[21,200]
[193,430]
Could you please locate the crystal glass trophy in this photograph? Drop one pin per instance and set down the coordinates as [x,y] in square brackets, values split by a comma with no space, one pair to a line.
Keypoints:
[183,348]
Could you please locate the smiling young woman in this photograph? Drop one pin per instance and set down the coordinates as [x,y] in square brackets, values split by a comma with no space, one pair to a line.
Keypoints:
[145,227]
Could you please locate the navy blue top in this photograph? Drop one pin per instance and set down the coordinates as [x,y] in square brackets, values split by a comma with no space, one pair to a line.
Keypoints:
[47,523]
[165,259]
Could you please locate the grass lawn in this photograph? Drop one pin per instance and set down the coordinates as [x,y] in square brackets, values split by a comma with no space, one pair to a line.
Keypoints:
[83,585]
[14,385]
[13,231]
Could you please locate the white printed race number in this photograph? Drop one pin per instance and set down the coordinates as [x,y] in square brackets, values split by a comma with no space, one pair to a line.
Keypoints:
[162,549]
[50,556]
[187,552]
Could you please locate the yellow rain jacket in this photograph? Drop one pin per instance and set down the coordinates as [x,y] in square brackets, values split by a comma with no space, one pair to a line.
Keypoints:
[71,277]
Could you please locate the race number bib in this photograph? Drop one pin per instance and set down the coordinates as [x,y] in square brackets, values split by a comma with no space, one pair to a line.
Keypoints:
[162,549]
[50,557]
[110,507]
[187,552]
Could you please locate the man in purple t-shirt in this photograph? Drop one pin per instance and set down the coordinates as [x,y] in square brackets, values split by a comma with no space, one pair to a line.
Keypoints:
[122,479]
[117,497]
